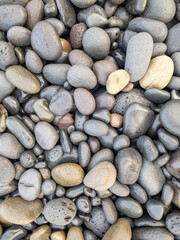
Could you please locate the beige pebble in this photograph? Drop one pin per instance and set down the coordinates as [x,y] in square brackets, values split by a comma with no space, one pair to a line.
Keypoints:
[68,174]
[120,230]
[41,108]
[75,233]
[16,210]
[41,233]
[3,116]
[117,80]
[59,235]
[23,79]
[116,120]
[129,87]
[159,73]
[101,177]
[104,194]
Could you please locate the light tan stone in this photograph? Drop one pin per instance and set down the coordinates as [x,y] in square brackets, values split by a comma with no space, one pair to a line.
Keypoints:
[42,110]
[75,233]
[159,73]
[59,235]
[41,233]
[3,116]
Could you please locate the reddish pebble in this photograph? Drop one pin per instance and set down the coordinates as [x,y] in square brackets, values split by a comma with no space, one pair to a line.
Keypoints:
[129,87]
[65,122]
[116,120]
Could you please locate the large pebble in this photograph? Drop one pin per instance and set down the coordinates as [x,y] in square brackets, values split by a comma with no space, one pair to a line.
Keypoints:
[169,117]
[19,36]
[128,163]
[137,120]
[46,135]
[14,232]
[21,78]
[151,178]
[157,96]
[96,128]
[7,171]
[8,56]
[173,223]
[29,185]
[101,177]
[138,55]
[75,233]
[10,147]
[79,57]
[45,41]
[81,76]
[60,211]
[62,172]
[16,210]
[76,34]
[6,87]
[12,15]
[109,210]
[33,62]
[96,43]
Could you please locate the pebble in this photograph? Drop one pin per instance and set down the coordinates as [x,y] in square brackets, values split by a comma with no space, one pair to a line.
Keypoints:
[162,160]
[129,87]
[108,139]
[115,22]
[79,57]
[170,141]
[109,210]
[46,135]
[96,20]
[105,100]
[159,49]
[96,201]
[102,115]
[50,9]
[136,7]
[151,178]
[10,146]
[14,232]
[98,223]
[54,154]
[76,34]
[81,76]
[48,187]
[11,104]
[147,221]
[6,87]
[137,120]
[3,117]
[61,103]
[27,159]
[58,235]
[96,43]
[96,128]
[167,194]
[7,171]
[172,223]
[89,235]
[138,193]
[41,233]
[65,142]
[120,230]
[120,142]
[173,164]
[20,54]
[59,27]
[23,37]
[155,209]
[157,96]
[74,192]
[65,122]
[12,15]
[128,163]
[27,82]
[119,189]
[8,188]
[129,207]
[42,110]
[84,153]
[101,177]
[20,131]
[116,120]
[84,101]
[174,83]
[62,172]
[60,211]
[75,233]
[84,4]
[33,62]
[65,45]
[176,60]
[83,204]
[45,41]
[77,136]
[149,233]
[16,210]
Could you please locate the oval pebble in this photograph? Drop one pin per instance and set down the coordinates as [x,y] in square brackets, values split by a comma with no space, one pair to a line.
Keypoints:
[79,57]
[7,171]
[6,87]
[173,223]
[33,62]
[76,34]
[75,233]
[155,209]
[22,39]
[109,210]
[95,128]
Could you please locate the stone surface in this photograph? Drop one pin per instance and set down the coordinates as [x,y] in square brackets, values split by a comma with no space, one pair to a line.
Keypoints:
[19,36]
[96,128]
[79,57]
[41,233]
[33,62]
[6,87]
[7,171]
[76,34]
[155,209]
[173,166]
[75,233]
[109,210]
[172,223]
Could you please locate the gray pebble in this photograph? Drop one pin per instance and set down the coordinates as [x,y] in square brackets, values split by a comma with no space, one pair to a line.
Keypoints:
[110,8]
[77,136]
[135,7]
[79,57]
[84,4]
[124,40]
[102,115]
[11,104]
[40,220]
[57,24]
[89,235]
[60,191]
[96,128]
[29,185]
[120,142]
[22,96]
[167,194]
[173,223]
[45,41]
[28,159]
[37,149]
[170,141]
[94,144]
[147,221]
[14,233]
[8,188]
[96,201]
[96,20]
[84,154]
[160,147]
[108,139]
[6,87]
[173,164]
[105,100]
[176,60]
[162,160]
[157,96]
[65,142]
[159,49]
[123,14]
[83,204]
[89,192]
[74,192]
[60,211]
[109,210]
[7,171]
[174,84]
[54,154]
[171,40]
[175,95]
[80,119]
[48,187]
[155,209]
[50,9]
[33,62]
[77,221]
[63,58]
[138,193]
[49,92]
[120,189]
[19,36]
[8,56]
[19,170]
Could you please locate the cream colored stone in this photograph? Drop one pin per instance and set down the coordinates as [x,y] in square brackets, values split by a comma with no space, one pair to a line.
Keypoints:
[120,230]
[104,194]
[75,233]
[159,73]
[41,109]
[23,79]
[68,174]
[41,233]
[59,235]
[117,80]
[101,177]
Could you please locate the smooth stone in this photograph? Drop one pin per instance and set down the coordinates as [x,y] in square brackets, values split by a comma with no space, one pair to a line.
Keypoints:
[28,107]
[102,115]
[56,73]
[96,20]
[76,34]
[14,233]
[173,222]
[167,194]
[89,192]
[98,223]
[159,49]
[161,148]
[121,230]
[84,154]
[75,233]
[84,101]
[129,207]
[169,117]
[162,160]
[74,192]
[147,221]
[11,104]
[115,22]
[119,189]
[176,60]
[89,235]
[24,80]
[124,40]
[79,57]
[41,108]
[138,193]
[174,83]
[18,2]
[49,92]
[101,177]
[155,209]
[84,4]
[6,87]
[123,100]
[45,41]
[104,194]
[3,116]
[10,146]
[110,8]
[65,142]
[66,12]
[46,135]
[136,7]
[50,9]
[20,131]
[123,14]
[105,100]
[65,122]
[21,39]
[27,159]
[54,154]
[41,233]
[33,62]
[81,76]
[109,210]
[96,201]
[60,191]
[175,95]
[77,136]
[151,178]
[7,171]
[8,188]
[20,54]
[137,120]
[8,56]
[58,235]
[60,211]
[173,164]
[83,204]
[140,24]
[120,142]
[96,43]
[160,10]
[102,69]
[138,57]
[61,174]
[170,141]
[16,210]
[152,131]
[128,163]
[96,128]
[157,96]
[58,25]
[171,40]
[12,15]
[151,233]
[108,139]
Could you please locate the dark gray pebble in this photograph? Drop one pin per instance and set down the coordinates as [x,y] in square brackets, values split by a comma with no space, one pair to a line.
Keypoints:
[102,114]
[135,7]
[170,141]
[84,154]
[174,84]
[11,104]
[74,192]
[138,193]
[108,139]
[96,128]
[80,119]
[156,95]
[147,221]
[14,233]
[120,142]
[65,141]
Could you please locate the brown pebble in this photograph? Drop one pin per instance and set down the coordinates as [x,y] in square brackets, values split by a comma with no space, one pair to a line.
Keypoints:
[3,116]
[65,122]
[116,120]
[75,233]
[76,34]
[59,235]
[65,45]
[129,87]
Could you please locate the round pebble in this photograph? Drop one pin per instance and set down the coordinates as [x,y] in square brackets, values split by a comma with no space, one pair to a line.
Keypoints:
[96,128]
